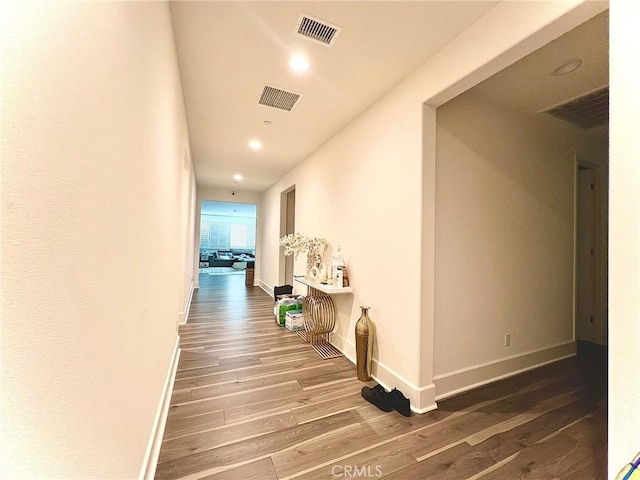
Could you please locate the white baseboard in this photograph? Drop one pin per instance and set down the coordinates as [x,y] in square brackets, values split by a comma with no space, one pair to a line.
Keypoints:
[184,315]
[268,289]
[422,399]
[459,381]
[148,470]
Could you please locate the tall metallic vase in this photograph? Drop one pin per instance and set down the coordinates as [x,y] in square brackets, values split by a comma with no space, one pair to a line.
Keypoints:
[364,345]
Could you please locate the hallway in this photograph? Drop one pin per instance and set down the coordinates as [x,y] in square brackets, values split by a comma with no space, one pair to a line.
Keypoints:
[253,401]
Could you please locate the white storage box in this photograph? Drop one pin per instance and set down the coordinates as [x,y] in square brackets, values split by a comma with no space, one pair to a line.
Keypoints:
[294,321]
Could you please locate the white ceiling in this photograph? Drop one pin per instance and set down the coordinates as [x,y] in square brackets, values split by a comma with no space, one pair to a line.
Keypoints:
[229,50]
[228,209]
[528,85]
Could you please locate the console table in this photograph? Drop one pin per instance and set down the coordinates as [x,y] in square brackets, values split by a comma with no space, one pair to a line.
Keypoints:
[319,314]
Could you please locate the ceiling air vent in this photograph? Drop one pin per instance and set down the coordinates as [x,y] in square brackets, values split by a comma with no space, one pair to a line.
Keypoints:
[317,30]
[276,98]
[588,111]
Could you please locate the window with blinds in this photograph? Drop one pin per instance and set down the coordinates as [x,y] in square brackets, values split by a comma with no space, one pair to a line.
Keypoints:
[243,235]
[224,233]
[214,234]
[204,234]
[238,235]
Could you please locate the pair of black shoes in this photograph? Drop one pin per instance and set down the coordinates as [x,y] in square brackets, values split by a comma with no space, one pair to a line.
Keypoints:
[387,401]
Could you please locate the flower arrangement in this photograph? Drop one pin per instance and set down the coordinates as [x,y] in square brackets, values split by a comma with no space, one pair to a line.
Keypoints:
[314,247]
[294,244]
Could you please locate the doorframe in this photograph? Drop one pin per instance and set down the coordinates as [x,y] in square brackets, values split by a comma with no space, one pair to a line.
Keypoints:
[600,243]
[284,212]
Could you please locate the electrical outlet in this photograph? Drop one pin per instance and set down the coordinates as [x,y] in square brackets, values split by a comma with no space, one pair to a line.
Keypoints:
[507,340]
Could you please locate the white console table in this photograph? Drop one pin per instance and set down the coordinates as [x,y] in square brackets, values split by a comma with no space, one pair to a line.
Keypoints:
[319,313]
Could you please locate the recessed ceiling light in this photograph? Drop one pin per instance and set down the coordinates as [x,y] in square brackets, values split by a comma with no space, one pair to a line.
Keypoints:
[267,122]
[237,177]
[299,64]
[567,67]
[255,144]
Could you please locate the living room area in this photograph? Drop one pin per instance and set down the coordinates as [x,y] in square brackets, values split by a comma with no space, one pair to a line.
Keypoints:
[227,238]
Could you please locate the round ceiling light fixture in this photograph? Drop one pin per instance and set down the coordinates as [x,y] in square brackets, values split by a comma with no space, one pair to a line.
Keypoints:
[567,67]
[237,178]
[255,145]
[299,64]
[267,122]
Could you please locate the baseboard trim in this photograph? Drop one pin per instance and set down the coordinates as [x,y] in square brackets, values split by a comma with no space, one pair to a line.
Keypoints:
[267,289]
[469,378]
[183,317]
[422,399]
[148,470]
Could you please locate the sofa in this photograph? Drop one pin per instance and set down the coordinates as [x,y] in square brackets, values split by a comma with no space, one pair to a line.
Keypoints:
[225,258]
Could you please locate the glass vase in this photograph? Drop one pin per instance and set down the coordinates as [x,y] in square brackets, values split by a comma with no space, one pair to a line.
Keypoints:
[364,345]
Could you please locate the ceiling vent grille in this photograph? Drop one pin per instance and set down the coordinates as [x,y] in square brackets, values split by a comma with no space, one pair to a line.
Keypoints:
[588,111]
[277,98]
[317,30]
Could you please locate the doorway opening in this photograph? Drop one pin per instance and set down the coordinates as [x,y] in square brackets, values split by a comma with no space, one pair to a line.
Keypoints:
[591,238]
[227,238]
[287,226]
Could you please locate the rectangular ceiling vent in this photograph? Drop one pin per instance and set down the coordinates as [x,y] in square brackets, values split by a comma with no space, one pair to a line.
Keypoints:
[317,30]
[277,98]
[587,111]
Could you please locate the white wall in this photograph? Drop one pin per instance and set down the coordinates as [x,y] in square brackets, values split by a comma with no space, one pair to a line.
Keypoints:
[624,237]
[189,199]
[370,189]
[350,193]
[504,240]
[474,56]
[93,143]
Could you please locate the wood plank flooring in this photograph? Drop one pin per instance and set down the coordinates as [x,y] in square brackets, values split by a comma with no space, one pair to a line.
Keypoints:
[253,401]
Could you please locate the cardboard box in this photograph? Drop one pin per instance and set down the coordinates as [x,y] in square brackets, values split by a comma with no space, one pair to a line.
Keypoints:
[294,321]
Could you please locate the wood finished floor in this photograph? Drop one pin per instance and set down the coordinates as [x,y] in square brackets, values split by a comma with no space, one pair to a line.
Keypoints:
[253,401]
